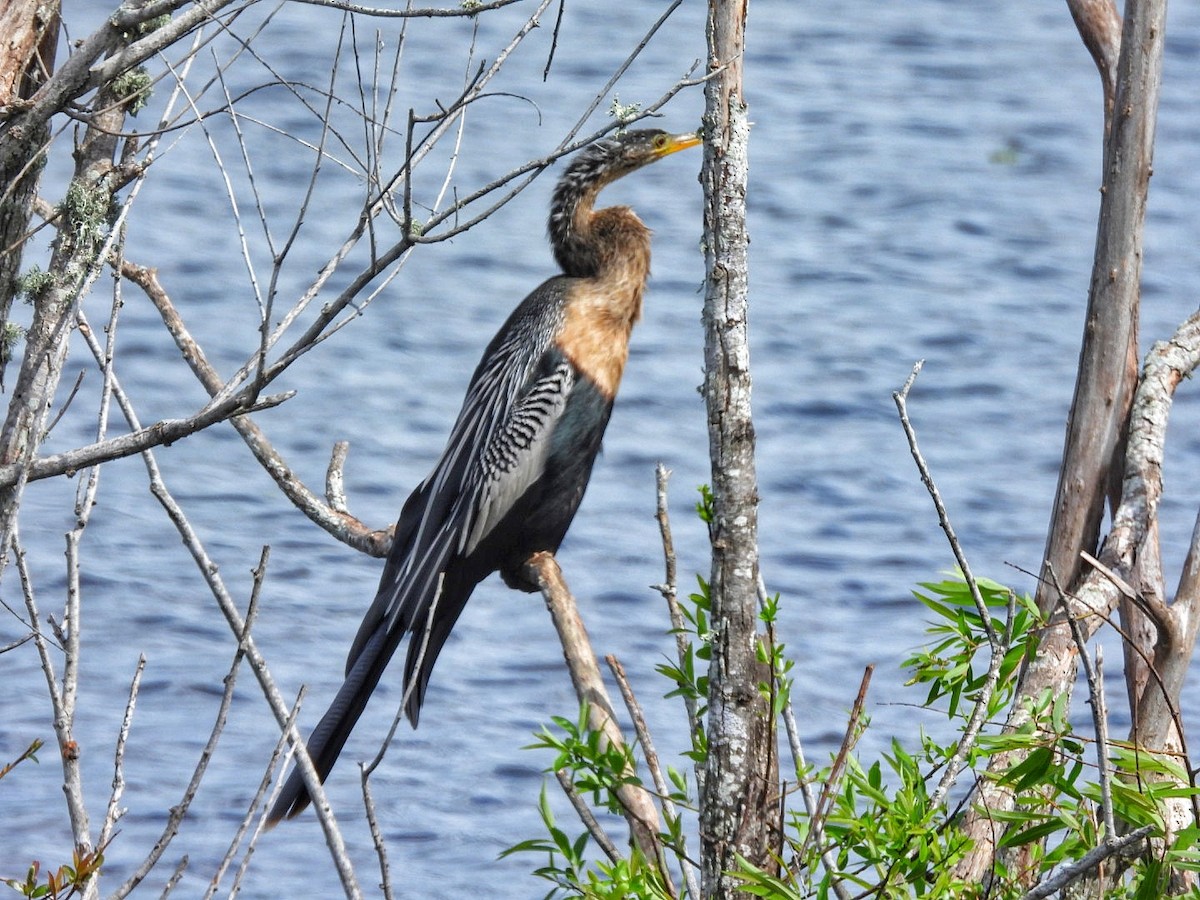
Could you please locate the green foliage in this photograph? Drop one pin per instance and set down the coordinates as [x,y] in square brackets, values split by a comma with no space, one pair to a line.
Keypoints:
[65,882]
[886,828]
[595,766]
[882,835]
[30,753]
[950,666]
[771,653]
[573,875]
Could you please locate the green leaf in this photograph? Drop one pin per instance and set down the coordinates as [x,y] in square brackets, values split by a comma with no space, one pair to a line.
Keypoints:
[1030,770]
[1033,833]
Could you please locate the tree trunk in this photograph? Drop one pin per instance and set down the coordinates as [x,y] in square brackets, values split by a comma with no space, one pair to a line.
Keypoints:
[739,796]
[1099,417]
[30,29]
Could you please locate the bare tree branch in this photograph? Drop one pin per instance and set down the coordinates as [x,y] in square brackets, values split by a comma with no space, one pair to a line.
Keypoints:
[997,643]
[542,570]
[1089,861]
[1100,408]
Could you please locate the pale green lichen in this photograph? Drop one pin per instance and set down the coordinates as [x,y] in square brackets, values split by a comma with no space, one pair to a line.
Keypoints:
[85,211]
[133,86]
[10,335]
[29,286]
[623,112]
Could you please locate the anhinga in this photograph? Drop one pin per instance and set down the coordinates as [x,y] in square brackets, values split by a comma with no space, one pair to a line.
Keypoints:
[519,456]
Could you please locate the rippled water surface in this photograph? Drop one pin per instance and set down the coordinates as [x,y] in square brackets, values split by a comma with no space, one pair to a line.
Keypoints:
[924,185]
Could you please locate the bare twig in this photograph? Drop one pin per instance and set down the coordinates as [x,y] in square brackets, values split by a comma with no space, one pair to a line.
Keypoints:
[166,431]
[176,877]
[252,810]
[831,786]
[29,753]
[1087,862]
[430,12]
[179,810]
[636,714]
[1095,682]
[385,870]
[247,647]
[340,525]
[901,399]
[114,813]
[997,643]
[603,841]
[817,823]
[669,590]
[335,480]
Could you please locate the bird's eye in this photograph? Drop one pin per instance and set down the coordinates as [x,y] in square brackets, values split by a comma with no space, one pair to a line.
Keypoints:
[660,142]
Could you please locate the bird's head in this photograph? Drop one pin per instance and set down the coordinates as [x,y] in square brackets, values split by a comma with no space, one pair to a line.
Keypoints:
[599,164]
[611,158]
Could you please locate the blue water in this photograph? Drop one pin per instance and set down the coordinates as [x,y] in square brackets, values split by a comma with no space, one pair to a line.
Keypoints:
[924,185]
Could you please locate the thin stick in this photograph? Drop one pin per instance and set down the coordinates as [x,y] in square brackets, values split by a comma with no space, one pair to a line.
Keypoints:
[210,572]
[335,478]
[1088,861]
[669,590]
[824,802]
[256,803]
[385,871]
[175,878]
[810,801]
[1099,711]
[113,815]
[901,399]
[585,816]
[638,716]
[997,644]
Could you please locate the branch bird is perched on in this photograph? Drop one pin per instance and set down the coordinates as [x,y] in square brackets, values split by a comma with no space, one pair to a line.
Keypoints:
[520,454]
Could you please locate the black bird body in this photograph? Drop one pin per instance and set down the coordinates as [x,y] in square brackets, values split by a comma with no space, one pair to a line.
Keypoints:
[520,453]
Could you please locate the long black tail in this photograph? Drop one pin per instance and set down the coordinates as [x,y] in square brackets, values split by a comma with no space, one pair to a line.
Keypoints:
[329,737]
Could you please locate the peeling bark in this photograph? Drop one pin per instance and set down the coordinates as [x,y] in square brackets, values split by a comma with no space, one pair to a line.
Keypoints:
[738,802]
[27,51]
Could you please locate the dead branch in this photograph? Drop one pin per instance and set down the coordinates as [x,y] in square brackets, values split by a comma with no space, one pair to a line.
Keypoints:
[1089,861]
[669,590]
[430,12]
[341,525]
[1099,24]
[1100,408]
[642,730]
[810,802]
[640,812]
[599,835]
[997,644]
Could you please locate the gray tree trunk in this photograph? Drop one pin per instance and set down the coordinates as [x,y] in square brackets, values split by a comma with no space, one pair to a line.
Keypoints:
[738,803]
[1093,456]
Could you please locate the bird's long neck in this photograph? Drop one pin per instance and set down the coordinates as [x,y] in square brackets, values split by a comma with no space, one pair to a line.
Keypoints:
[608,250]
[587,241]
